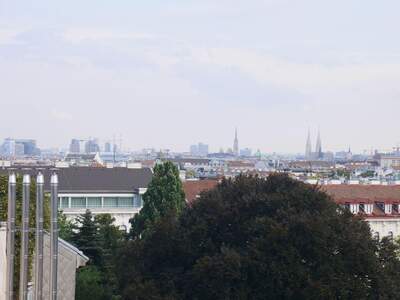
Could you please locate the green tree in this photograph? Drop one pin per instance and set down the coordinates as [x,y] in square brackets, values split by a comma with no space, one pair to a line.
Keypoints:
[110,239]
[85,237]
[253,238]
[89,284]
[164,195]
[65,227]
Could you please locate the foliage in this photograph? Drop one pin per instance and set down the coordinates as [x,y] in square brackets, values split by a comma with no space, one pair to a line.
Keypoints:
[339,173]
[65,227]
[164,195]
[100,240]
[252,238]
[368,174]
[85,237]
[89,284]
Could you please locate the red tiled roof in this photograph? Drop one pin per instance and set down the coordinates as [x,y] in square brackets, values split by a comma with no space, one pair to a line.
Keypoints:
[341,194]
[194,188]
[363,193]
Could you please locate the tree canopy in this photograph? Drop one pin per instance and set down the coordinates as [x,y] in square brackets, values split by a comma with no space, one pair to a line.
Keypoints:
[253,238]
[164,196]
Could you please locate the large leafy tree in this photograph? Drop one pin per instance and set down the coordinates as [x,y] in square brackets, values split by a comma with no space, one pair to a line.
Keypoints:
[164,196]
[253,238]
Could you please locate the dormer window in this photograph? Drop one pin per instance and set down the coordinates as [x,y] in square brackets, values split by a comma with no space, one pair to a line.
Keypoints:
[381,206]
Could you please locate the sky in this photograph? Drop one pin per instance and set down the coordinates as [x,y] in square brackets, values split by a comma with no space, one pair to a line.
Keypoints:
[167,74]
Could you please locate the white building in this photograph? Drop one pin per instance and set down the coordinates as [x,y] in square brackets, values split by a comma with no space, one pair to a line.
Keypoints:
[379,205]
[115,191]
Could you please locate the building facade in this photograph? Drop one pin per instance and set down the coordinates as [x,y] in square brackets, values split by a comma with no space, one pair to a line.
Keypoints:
[115,191]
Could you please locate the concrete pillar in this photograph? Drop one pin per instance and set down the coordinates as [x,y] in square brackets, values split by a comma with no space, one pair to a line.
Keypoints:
[3,259]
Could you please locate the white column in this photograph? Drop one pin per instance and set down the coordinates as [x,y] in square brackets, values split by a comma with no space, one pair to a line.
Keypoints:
[3,259]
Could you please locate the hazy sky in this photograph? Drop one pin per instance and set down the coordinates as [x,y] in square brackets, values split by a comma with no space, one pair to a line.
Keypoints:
[171,73]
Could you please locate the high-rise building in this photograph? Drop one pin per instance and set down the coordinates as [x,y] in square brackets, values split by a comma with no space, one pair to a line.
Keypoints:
[8,147]
[30,147]
[199,150]
[308,147]
[75,146]
[236,144]
[194,150]
[19,147]
[108,147]
[202,149]
[92,146]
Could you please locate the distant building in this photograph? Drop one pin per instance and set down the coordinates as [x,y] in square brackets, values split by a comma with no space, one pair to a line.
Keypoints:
[8,147]
[115,191]
[19,147]
[108,147]
[30,147]
[75,146]
[246,152]
[199,150]
[92,146]
[83,159]
[308,154]
[236,144]
[389,161]
[318,149]
[318,154]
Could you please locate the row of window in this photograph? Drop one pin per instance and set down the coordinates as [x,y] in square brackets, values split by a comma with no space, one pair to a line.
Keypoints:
[377,237]
[100,202]
[388,209]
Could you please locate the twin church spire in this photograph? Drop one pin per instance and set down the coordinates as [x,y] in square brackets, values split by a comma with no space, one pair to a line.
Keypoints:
[318,154]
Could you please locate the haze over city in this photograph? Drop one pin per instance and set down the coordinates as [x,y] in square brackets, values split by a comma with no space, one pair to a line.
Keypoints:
[167,74]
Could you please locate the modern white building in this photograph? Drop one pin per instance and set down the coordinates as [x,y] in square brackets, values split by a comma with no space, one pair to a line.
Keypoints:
[115,191]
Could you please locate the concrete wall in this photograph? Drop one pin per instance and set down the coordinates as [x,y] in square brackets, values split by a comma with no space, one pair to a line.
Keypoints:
[3,260]
[385,226]
[69,260]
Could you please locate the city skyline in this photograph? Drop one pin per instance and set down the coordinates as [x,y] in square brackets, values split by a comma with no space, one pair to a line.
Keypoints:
[199,148]
[159,75]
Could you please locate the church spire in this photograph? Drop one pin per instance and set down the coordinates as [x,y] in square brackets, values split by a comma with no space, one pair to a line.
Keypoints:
[308,146]
[318,148]
[236,144]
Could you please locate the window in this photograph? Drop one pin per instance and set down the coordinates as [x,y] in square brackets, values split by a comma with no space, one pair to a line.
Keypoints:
[347,205]
[78,202]
[376,236]
[362,207]
[390,235]
[138,201]
[64,202]
[395,208]
[93,202]
[125,202]
[381,205]
[110,202]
